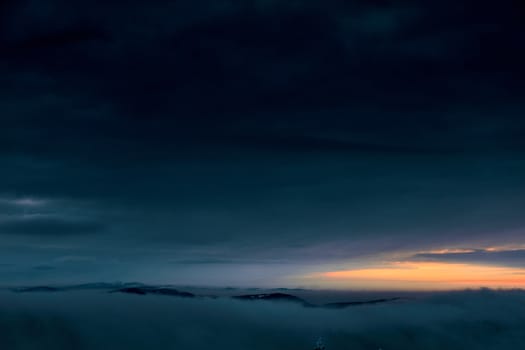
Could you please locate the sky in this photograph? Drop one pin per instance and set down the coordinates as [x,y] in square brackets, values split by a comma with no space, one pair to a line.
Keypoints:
[321,144]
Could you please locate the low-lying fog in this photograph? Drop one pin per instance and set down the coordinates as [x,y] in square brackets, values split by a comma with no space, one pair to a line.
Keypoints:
[96,319]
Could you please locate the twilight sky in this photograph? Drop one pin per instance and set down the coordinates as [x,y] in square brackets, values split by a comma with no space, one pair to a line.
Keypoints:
[342,144]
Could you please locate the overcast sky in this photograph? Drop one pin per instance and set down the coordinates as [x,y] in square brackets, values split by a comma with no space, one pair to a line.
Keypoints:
[240,142]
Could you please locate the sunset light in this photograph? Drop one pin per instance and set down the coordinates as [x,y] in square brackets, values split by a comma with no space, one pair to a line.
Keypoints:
[424,276]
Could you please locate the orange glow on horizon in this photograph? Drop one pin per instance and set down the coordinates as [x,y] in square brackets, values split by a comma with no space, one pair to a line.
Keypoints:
[424,275]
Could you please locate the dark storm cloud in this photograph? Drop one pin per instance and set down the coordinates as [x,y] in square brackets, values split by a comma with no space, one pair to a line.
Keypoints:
[50,41]
[189,73]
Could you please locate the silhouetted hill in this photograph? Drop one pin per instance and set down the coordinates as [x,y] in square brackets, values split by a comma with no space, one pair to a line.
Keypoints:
[274,297]
[154,290]
[104,285]
[85,286]
[292,298]
[343,305]
[142,289]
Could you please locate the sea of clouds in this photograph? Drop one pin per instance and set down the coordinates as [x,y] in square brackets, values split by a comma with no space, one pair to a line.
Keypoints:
[100,320]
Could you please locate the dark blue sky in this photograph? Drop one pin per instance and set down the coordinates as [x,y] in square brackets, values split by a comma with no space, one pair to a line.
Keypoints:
[250,142]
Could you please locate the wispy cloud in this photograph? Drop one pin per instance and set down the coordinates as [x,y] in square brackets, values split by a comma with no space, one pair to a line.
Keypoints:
[503,256]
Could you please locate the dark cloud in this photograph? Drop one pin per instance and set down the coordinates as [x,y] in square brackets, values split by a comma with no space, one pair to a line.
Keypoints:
[48,226]
[50,41]
[274,56]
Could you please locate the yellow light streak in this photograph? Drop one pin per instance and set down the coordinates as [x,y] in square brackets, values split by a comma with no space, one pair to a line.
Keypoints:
[423,275]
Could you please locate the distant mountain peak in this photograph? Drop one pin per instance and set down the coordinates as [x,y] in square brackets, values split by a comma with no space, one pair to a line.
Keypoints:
[154,290]
[273,297]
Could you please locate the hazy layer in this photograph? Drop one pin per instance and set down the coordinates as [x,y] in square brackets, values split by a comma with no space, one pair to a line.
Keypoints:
[100,320]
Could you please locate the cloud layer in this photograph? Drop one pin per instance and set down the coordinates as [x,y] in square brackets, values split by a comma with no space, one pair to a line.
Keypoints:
[476,320]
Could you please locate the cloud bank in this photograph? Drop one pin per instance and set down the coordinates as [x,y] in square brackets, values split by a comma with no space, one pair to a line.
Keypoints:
[475,320]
